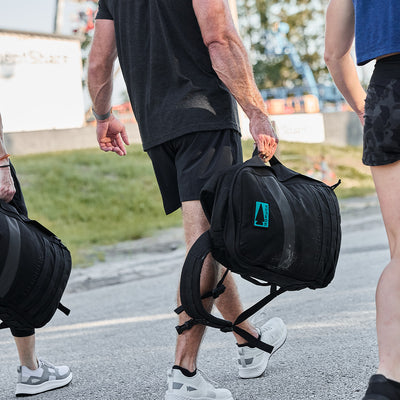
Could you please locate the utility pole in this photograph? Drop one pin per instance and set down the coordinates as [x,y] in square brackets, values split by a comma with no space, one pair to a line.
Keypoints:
[58,17]
[59,14]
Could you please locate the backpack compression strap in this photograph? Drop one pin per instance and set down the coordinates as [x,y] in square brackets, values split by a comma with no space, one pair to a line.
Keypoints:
[190,287]
[192,299]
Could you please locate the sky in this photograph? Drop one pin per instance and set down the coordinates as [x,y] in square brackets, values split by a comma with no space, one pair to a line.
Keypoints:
[38,15]
[27,15]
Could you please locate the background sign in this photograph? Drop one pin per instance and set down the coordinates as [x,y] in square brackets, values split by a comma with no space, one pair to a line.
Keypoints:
[40,82]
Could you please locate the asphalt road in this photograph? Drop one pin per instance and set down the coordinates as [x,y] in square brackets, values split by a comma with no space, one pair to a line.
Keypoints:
[119,339]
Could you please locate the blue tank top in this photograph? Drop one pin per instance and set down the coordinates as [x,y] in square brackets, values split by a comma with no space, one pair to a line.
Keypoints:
[377,28]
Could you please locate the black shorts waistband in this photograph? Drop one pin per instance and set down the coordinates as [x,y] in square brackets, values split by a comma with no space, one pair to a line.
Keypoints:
[387,68]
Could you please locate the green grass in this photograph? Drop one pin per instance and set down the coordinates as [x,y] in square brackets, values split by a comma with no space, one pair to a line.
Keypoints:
[89,198]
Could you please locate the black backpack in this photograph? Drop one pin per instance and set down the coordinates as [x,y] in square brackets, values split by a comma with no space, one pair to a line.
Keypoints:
[273,227]
[34,268]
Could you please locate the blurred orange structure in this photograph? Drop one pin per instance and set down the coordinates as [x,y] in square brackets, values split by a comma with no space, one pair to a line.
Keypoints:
[124,112]
[302,104]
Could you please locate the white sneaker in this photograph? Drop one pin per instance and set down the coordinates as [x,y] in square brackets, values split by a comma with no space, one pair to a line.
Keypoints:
[253,361]
[181,387]
[46,377]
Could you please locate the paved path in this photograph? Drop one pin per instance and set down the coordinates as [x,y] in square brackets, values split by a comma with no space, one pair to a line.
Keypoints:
[119,339]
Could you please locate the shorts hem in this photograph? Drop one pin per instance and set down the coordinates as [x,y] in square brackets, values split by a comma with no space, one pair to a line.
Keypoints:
[377,163]
[170,209]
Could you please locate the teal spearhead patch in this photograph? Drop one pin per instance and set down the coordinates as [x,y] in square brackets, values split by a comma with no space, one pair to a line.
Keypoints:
[261,215]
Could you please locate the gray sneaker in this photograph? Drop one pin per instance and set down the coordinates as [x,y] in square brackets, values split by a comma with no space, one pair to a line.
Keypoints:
[253,361]
[46,377]
[197,387]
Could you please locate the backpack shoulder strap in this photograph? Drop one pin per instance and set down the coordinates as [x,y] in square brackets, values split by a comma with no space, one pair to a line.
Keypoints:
[191,297]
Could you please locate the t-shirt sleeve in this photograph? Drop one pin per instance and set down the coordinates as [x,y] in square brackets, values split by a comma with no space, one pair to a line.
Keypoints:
[103,12]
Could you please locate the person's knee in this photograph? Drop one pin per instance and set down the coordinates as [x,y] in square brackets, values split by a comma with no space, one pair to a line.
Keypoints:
[394,243]
[194,221]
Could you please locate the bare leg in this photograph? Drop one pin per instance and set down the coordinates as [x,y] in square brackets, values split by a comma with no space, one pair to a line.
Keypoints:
[188,343]
[230,306]
[26,351]
[388,291]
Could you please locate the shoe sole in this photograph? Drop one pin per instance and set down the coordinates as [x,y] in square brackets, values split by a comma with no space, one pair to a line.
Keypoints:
[24,389]
[255,372]
[170,396]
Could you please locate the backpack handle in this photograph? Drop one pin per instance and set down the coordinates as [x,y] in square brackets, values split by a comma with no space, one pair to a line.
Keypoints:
[281,171]
[272,161]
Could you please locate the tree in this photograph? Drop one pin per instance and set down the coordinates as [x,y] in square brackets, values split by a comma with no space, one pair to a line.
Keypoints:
[306,32]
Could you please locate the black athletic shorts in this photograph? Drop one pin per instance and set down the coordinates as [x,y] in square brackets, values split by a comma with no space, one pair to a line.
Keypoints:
[19,203]
[382,114]
[183,165]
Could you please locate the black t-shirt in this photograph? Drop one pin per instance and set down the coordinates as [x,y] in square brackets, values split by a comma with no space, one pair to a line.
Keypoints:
[167,69]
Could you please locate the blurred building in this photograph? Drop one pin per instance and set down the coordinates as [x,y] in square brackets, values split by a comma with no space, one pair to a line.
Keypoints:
[40,81]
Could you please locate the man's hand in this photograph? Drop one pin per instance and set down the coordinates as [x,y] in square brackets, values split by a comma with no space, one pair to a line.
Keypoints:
[264,136]
[7,188]
[112,136]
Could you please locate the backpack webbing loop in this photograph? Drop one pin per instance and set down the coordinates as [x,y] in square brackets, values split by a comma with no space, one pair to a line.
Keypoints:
[252,341]
[259,305]
[219,289]
[187,325]
[64,309]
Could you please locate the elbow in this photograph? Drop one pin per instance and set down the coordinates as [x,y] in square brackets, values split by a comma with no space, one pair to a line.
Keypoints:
[333,56]
[331,59]
[216,45]
[328,57]
[219,38]
[101,62]
[216,41]
[99,67]
[93,68]
[223,44]
[94,65]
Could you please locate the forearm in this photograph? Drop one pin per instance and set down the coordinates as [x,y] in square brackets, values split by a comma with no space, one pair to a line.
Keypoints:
[100,83]
[230,62]
[101,65]
[345,76]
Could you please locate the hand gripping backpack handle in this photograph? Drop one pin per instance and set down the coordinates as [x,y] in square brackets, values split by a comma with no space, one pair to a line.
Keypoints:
[191,297]
[282,172]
